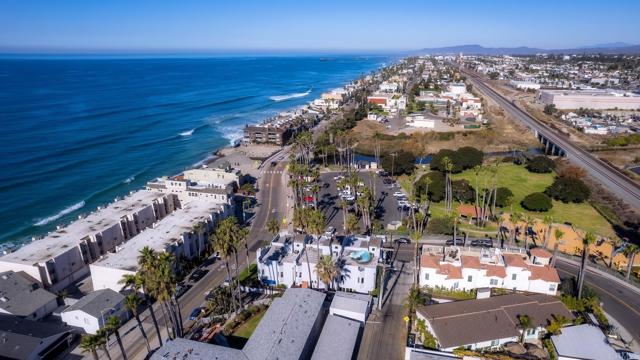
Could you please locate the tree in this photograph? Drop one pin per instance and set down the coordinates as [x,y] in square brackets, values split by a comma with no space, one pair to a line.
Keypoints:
[102,339]
[327,271]
[112,327]
[440,225]
[568,190]
[468,157]
[402,163]
[615,243]
[529,221]
[132,304]
[559,234]
[556,324]
[438,161]
[219,301]
[494,75]
[537,202]
[248,189]
[90,344]
[504,196]
[436,185]
[222,241]
[525,322]
[548,222]
[462,191]
[514,218]
[273,226]
[540,164]
[588,239]
[550,109]
[630,252]
[146,263]
[414,298]
[352,225]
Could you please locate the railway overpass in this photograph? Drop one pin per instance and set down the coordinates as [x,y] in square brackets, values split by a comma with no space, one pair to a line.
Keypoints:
[610,177]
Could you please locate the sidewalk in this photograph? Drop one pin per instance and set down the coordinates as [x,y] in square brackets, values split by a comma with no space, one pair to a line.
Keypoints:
[624,334]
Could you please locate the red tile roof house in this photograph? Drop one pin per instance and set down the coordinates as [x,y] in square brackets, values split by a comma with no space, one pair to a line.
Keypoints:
[461,269]
[489,323]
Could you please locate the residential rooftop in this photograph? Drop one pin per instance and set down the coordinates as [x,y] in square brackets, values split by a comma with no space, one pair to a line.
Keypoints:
[21,295]
[583,342]
[164,233]
[337,340]
[57,241]
[96,301]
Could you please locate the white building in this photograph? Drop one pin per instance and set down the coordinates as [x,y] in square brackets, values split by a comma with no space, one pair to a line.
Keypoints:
[457,88]
[583,342]
[64,254]
[490,323]
[389,86]
[92,311]
[188,190]
[220,178]
[178,234]
[291,261]
[468,269]
[590,99]
[419,121]
[524,85]
[351,305]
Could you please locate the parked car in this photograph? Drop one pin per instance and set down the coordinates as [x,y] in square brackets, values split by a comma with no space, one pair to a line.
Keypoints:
[459,242]
[195,313]
[197,275]
[403,203]
[329,231]
[398,194]
[402,241]
[181,289]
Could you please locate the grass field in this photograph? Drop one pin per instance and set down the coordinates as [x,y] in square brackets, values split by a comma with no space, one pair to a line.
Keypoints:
[522,182]
[248,327]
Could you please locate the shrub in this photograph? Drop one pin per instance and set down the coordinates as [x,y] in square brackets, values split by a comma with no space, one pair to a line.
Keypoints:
[438,225]
[436,187]
[436,160]
[464,158]
[404,163]
[462,191]
[568,190]
[537,202]
[504,196]
[541,164]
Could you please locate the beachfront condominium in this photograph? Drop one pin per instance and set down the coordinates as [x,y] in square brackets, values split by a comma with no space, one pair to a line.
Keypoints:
[210,184]
[183,233]
[63,255]
[291,260]
[460,268]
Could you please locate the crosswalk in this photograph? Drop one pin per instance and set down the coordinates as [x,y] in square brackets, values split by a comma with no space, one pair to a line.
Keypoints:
[274,172]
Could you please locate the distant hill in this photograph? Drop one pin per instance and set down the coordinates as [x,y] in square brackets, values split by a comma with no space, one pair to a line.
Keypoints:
[613,48]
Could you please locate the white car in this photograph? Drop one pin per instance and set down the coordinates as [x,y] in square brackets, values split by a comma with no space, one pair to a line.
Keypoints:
[404,203]
[398,194]
[338,177]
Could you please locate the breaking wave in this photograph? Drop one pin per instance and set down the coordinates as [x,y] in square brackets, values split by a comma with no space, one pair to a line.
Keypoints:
[279,98]
[62,213]
[187,133]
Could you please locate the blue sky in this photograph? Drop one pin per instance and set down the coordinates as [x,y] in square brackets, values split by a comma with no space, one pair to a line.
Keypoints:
[136,25]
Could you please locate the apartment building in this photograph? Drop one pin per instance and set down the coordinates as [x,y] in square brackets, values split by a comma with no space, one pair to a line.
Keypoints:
[267,133]
[471,268]
[183,233]
[290,260]
[64,254]
[213,185]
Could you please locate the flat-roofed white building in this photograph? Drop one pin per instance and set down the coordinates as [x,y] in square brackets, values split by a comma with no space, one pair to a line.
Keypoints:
[177,233]
[188,190]
[590,99]
[470,268]
[64,254]
[524,85]
[214,176]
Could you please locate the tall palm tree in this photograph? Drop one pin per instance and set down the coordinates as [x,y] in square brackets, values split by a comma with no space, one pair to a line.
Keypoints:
[529,221]
[166,283]
[514,218]
[273,226]
[90,344]
[615,244]
[316,224]
[102,339]
[630,251]
[352,225]
[132,304]
[548,222]
[145,281]
[558,235]
[221,241]
[525,322]
[327,271]
[447,164]
[159,292]
[588,239]
[112,327]
[414,298]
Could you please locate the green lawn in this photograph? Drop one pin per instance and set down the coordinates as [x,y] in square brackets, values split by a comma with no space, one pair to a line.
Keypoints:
[522,182]
[245,330]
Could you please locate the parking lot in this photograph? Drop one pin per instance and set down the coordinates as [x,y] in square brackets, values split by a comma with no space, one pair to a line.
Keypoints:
[385,206]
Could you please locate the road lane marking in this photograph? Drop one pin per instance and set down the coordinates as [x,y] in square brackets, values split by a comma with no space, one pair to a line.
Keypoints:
[615,297]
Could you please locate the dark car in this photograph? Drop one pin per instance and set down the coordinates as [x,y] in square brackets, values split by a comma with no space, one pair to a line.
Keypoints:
[197,275]
[482,242]
[459,242]
[402,241]
[181,289]
[195,313]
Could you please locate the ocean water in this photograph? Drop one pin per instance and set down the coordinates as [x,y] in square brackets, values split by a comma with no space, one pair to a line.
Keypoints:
[76,133]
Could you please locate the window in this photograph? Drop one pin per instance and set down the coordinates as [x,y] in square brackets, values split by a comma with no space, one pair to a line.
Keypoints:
[514,276]
[469,278]
[552,287]
[426,276]
[281,274]
[86,321]
[493,282]
[455,285]
[495,343]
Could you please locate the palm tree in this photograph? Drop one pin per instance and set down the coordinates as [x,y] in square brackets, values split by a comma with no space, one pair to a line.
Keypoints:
[525,322]
[273,226]
[352,225]
[344,205]
[102,338]
[615,244]
[588,239]
[327,271]
[415,298]
[447,164]
[132,304]
[146,262]
[90,344]
[162,292]
[558,235]
[529,221]
[221,241]
[514,218]
[112,326]
[548,222]
[630,251]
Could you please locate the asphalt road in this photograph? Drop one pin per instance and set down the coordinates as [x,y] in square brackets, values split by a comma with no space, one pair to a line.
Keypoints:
[609,176]
[622,303]
[329,202]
